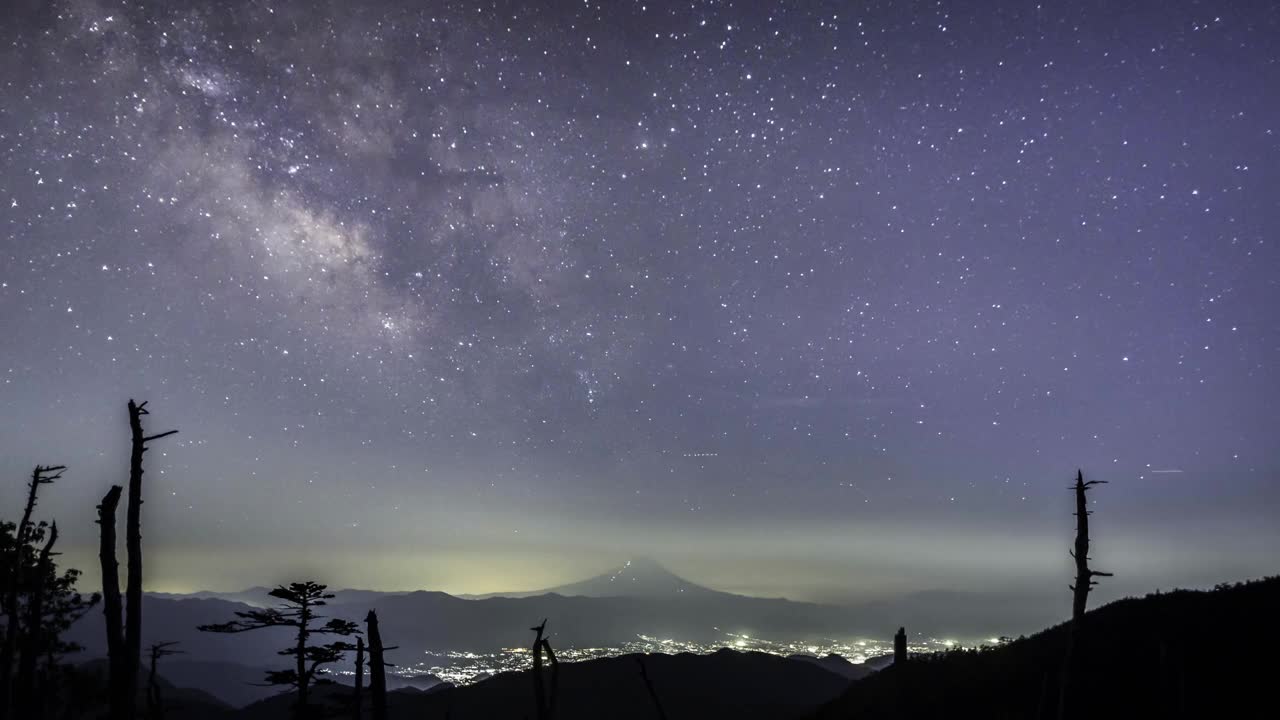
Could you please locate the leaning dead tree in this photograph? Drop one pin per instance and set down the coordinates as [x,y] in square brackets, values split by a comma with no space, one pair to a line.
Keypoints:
[155,701]
[1080,590]
[133,545]
[545,698]
[117,689]
[648,686]
[41,475]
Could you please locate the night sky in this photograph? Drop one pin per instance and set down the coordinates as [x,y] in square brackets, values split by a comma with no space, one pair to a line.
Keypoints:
[822,300]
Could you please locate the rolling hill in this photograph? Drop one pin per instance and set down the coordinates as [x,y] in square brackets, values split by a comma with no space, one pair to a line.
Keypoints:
[725,684]
[1179,654]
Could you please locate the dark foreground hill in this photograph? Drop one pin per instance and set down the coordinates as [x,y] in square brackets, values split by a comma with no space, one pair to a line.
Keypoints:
[725,684]
[1181,654]
[88,697]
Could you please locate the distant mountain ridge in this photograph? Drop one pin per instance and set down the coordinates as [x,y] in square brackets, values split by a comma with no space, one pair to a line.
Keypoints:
[638,577]
[260,596]
[643,597]
[645,579]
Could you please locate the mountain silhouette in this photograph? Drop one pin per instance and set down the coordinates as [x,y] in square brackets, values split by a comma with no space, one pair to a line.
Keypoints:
[638,577]
[180,700]
[1183,653]
[260,597]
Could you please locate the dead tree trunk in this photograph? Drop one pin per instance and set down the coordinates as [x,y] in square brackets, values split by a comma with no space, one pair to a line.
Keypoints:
[553,702]
[116,687]
[377,668]
[1084,575]
[41,475]
[1079,591]
[539,690]
[32,640]
[648,686]
[155,701]
[133,544]
[357,698]
[545,707]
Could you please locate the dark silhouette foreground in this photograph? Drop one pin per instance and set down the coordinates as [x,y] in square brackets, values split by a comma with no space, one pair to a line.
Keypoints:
[1181,654]
[297,611]
[726,684]
[1192,654]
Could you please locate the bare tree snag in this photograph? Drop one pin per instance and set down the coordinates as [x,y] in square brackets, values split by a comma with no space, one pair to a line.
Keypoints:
[111,606]
[545,707]
[377,667]
[357,698]
[539,690]
[554,701]
[1079,592]
[133,544]
[155,701]
[1084,575]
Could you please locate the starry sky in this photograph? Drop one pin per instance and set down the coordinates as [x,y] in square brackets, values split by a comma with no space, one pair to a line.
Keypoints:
[821,300]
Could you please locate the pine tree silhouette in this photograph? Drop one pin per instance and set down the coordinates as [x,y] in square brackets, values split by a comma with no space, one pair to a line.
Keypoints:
[298,611]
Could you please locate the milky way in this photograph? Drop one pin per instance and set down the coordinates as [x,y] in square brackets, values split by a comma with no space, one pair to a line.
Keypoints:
[812,300]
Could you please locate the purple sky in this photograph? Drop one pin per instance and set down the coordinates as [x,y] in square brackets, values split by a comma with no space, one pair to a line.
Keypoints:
[813,300]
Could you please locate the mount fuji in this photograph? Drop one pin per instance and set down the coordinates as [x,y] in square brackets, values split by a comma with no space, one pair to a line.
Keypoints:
[639,577]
